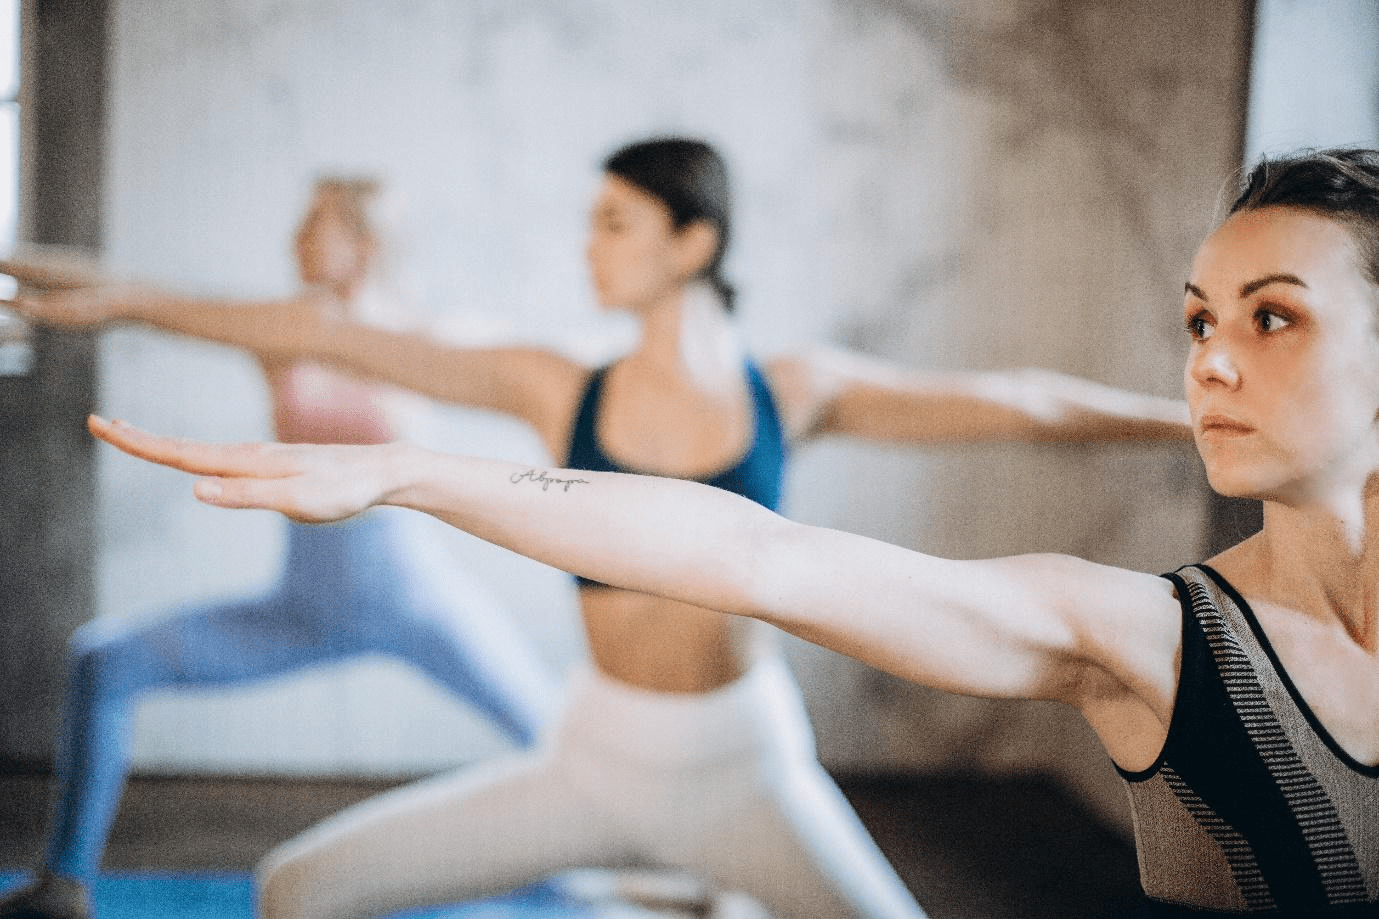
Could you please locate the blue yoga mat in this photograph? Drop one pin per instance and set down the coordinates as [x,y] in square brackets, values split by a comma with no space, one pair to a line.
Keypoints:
[223,895]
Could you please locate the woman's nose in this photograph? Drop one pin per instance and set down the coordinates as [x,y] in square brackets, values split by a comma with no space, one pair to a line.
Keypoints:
[1213,362]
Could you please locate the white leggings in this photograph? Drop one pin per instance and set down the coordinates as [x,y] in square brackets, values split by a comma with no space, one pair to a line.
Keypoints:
[724,784]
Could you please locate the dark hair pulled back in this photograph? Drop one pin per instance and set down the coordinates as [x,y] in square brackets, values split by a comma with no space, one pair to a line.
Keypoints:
[691,179]
[1339,183]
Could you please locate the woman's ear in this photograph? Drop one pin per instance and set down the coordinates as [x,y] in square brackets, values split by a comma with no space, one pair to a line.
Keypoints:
[697,244]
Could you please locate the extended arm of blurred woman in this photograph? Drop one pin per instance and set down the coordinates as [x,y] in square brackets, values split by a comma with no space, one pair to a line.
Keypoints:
[830,391]
[514,380]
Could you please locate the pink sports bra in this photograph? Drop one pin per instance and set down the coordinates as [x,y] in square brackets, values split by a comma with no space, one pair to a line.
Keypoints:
[316,405]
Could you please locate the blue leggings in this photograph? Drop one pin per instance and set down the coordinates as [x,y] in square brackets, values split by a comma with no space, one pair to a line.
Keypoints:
[365,585]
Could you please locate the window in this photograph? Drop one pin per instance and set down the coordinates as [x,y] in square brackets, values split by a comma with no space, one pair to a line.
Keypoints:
[9,122]
[15,353]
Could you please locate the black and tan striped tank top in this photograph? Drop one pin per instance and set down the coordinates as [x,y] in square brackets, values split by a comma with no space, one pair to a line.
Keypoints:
[1252,807]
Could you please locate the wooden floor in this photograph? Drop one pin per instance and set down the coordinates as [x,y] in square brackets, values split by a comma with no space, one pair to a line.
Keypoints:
[968,847]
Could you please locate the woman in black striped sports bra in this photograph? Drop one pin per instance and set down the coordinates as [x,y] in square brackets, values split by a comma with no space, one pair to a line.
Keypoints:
[1252,804]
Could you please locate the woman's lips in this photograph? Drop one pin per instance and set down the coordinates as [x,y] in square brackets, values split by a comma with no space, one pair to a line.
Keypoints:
[1222,425]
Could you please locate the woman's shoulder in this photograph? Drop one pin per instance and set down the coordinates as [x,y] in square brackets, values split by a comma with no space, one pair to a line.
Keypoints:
[802,382]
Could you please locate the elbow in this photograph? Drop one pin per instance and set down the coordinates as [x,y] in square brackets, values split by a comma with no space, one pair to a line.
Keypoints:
[766,574]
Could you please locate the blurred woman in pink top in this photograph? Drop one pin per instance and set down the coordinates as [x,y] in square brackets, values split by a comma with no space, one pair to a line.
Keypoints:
[367,586]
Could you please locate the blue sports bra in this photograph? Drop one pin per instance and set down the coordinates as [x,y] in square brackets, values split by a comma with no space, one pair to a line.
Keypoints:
[756,476]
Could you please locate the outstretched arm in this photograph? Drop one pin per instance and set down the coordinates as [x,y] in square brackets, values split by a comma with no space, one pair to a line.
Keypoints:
[532,384]
[837,392]
[1031,626]
[266,328]
[68,288]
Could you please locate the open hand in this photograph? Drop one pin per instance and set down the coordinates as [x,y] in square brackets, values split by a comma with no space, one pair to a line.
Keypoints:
[306,482]
[77,308]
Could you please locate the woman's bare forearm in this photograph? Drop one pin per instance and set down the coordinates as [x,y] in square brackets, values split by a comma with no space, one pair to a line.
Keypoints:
[300,329]
[288,328]
[995,627]
[496,378]
[676,539]
[668,537]
[306,327]
[1022,405]
[965,626]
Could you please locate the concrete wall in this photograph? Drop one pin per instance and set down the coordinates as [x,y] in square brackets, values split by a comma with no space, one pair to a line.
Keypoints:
[951,185]
[1017,184]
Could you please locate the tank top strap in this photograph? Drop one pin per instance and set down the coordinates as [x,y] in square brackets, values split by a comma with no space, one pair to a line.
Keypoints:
[768,423]
[583,452]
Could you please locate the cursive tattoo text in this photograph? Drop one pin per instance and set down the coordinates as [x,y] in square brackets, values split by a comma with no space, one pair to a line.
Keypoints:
[545,481]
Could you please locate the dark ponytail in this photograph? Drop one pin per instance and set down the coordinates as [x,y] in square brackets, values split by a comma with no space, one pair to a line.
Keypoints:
[691,179]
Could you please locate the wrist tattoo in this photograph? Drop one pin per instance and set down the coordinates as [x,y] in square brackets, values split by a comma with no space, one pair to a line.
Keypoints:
[545,481]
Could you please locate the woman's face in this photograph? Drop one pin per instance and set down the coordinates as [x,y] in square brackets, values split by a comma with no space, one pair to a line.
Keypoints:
[1283,376]
[329,251]
[636,258]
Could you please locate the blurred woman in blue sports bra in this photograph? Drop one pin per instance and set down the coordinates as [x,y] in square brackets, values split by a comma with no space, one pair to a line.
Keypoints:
[685,743]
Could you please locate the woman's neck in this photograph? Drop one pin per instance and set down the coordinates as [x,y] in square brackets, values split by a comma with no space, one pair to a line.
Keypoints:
[689,333]
[342,290]
[1323,559]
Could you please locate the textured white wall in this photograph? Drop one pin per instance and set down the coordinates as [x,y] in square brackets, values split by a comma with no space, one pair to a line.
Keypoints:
[490,119]
[955,185]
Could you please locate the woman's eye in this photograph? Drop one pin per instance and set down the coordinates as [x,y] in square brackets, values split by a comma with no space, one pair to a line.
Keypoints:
[1270,321]
[1199,327]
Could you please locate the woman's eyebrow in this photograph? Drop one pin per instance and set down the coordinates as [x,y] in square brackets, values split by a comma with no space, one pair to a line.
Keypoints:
[1282,278]
[1250,287]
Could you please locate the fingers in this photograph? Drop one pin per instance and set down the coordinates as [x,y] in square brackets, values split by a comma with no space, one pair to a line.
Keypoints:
[307,483]
[57,309]
[131,440]
[241,493]
[288,497]
[52,268]
[21,303]
[188,455]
